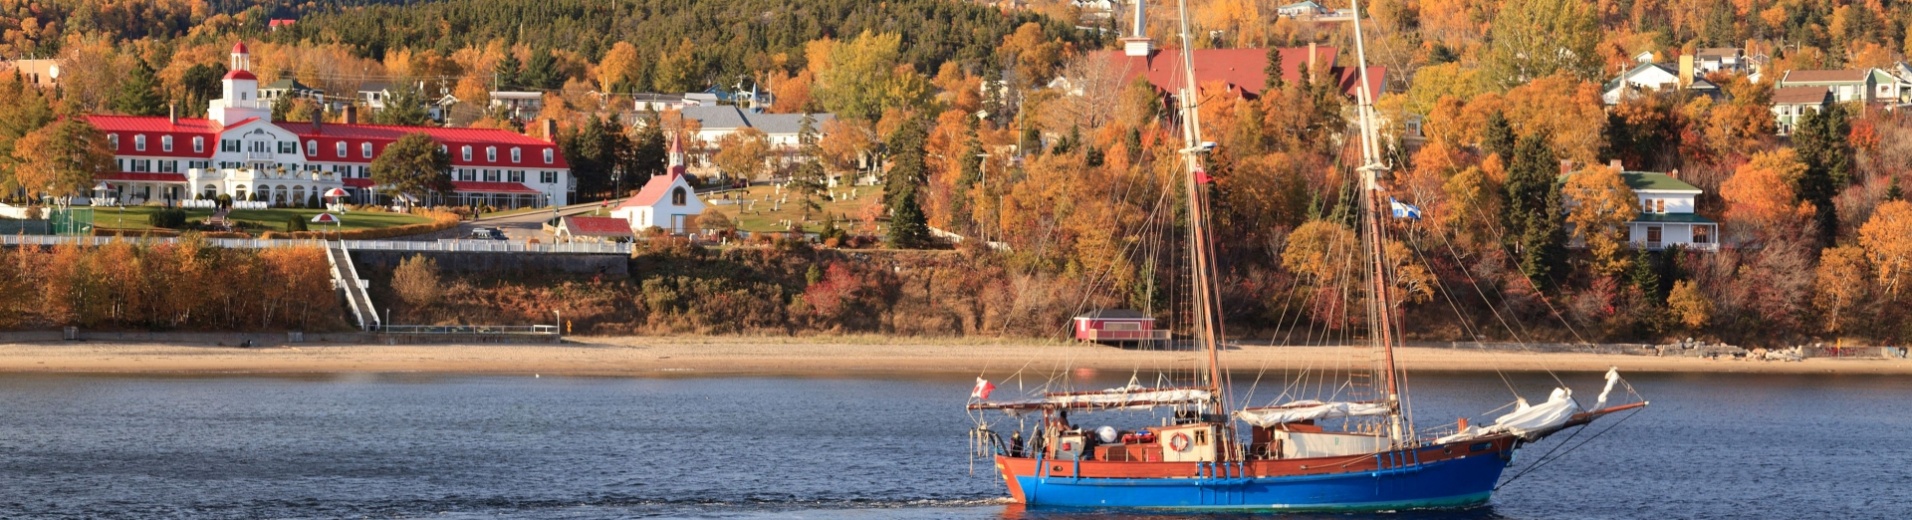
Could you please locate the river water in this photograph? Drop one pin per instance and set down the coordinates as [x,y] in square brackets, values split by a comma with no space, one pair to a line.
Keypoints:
[456,447]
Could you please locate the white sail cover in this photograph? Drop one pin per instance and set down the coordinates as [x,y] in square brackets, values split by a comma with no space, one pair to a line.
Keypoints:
[1544,417]
[1310,409]
[1128,397]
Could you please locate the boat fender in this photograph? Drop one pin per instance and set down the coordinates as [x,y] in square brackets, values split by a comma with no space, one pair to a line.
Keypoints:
[1178,442]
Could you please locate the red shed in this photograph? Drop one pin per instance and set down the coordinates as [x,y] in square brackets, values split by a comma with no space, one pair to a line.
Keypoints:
[1117,325]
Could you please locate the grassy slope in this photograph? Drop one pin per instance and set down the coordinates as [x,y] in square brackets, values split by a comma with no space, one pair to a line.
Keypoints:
[761,218]
[269,219]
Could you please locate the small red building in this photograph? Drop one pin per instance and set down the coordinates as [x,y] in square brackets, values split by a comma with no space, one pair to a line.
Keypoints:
[1117,326]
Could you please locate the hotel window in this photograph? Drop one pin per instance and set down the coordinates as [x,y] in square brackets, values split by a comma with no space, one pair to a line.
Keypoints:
[229,145]
[112,140]
[365,149]
[548,177]
[341,149]
[143,165]
[491,175]
[491,154]
[166,143]
[549,157]
[312,148]
[199,145]
[169,166]
[465,152]
[139,142]
[517,155]
[515,176]
[288,147]
[465,174]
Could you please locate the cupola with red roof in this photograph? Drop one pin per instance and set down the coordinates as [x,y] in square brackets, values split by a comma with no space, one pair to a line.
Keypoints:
[240,92]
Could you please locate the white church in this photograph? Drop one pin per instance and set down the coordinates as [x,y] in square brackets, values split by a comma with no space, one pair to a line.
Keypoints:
[238,150]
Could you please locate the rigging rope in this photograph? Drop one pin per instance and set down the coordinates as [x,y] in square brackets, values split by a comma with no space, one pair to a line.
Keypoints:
[1544,460]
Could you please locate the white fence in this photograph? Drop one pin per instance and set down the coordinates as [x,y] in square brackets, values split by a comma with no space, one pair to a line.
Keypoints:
[472,246]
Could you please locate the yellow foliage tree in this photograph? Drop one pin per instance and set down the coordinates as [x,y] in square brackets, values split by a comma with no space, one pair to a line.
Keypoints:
[1689,305]
[1887,239]
[1840,282]
[1602,206]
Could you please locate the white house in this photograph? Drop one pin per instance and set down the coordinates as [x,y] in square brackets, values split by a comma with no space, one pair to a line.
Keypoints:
[1666,214]
[1652,76]
[666,202]
[1730,59]
[1791,103]
[1304,9]
[238,150]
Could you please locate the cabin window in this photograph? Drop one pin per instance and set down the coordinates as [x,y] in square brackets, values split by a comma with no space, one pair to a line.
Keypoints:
[166,143]
[139,142]
[678,197]
[1201,437]
[1122,325]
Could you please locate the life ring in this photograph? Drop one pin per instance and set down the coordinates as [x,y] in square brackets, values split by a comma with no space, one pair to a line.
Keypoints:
[1178,442]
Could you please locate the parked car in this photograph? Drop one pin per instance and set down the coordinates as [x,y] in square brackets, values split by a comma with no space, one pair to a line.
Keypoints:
[487,233]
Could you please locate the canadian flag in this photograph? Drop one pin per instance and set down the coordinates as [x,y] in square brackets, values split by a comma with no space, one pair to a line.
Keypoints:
[983,388]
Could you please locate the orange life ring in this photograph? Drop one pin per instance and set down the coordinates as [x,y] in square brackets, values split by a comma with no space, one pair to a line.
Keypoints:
[1178,442]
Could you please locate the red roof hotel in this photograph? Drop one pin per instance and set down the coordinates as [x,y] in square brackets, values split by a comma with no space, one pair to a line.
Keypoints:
[239,151]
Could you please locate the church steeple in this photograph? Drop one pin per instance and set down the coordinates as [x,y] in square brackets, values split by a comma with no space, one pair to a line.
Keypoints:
[676,155]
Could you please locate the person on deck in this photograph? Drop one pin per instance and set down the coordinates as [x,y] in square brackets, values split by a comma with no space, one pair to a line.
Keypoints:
[1015,444]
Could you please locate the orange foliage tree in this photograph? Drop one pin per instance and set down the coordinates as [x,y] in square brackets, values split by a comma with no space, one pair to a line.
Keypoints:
[1760,194]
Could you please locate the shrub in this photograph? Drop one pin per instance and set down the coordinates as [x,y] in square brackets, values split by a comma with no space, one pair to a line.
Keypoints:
[223,200]
[416,281]
[173,218]
[295,224]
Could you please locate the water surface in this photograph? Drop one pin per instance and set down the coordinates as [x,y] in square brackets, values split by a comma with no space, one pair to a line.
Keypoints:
[408,446]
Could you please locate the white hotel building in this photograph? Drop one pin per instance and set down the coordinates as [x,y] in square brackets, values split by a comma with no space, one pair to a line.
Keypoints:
[238,150]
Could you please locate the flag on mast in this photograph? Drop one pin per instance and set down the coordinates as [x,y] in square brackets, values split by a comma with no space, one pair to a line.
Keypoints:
[1404,210]
[983,388]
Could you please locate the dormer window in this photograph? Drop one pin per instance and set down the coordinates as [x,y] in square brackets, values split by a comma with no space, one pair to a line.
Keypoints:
[549,157]
[465,152]
[365,149]
[199,145]
[516,155]
[444,150]
[341,149]
[139,142]
[312,147]
[166,143]
[112,140]
[491,154]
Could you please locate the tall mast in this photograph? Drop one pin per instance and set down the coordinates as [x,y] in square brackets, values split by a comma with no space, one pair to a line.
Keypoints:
[1207,320]
[1371,169]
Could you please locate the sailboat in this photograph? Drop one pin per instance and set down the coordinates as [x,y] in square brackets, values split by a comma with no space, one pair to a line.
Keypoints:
[1287,456]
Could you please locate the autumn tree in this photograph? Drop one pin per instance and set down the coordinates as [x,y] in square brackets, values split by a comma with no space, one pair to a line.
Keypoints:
[62,158]
[678,69]
[1840,284]
[863,77]
[416,281]
[23,109]
[620,68]
[742,153]
[1539,38]
[1602,207]
[1760,194]
[1689,305]
[413,165]
[1887,239]
[809,180]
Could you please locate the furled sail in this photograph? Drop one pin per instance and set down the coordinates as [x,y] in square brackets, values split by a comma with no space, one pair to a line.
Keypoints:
[1128,397]
[1306,410]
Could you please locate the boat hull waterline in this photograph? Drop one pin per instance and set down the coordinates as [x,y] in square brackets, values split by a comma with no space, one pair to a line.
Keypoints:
[1441,479]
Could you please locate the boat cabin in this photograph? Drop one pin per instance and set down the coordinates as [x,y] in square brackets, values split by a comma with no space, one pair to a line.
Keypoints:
[1117,326]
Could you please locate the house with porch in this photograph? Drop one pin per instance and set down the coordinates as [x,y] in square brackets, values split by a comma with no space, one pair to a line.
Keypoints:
[238,150]
[1666,214]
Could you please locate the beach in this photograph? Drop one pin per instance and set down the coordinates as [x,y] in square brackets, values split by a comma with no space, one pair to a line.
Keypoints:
[860,356]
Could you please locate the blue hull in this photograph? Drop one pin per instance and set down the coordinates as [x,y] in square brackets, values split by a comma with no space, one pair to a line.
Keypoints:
[1448,483]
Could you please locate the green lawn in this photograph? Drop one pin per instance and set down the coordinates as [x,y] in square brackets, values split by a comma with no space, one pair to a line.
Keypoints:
[761,217]
[253,219]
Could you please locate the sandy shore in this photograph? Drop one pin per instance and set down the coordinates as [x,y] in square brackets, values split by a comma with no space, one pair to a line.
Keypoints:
[691,356]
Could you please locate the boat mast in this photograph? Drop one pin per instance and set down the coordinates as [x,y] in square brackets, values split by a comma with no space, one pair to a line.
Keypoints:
[1371,169]
[1207,320]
